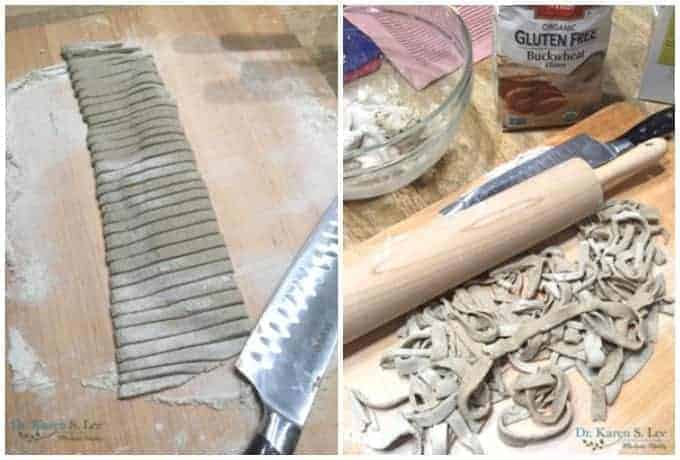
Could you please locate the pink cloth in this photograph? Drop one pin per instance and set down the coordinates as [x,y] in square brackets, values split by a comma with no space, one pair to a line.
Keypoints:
[420,52]
[478,20]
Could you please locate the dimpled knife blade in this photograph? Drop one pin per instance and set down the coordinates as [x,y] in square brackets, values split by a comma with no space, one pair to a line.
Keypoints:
[290,348]
[584,147]
[594,153]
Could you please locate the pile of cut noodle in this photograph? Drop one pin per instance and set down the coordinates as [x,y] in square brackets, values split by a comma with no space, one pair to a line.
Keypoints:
[532,319]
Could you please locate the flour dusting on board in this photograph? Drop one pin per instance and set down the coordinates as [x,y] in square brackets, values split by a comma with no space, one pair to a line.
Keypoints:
[32,280]
[37,76]
[29,276]
[107,380]
[217,399]
[29,251]
[316,120]
[28,371]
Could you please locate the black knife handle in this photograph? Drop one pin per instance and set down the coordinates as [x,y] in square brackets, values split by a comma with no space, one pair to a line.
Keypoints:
[260,446]
[660,124]
[276,436]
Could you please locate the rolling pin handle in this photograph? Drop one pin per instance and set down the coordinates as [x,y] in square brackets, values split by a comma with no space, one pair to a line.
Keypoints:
[636,160]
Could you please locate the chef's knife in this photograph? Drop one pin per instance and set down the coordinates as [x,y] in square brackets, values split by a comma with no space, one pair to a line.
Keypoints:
[288,352]
[595,153]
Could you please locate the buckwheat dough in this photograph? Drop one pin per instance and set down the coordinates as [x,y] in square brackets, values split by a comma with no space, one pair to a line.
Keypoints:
[175,306]
[534,318]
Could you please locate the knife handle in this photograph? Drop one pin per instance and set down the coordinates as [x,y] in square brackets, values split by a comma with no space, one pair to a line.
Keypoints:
[276,436]
[260,446]
[660,124]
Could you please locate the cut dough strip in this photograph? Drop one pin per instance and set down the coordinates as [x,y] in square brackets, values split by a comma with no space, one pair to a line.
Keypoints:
[176,308]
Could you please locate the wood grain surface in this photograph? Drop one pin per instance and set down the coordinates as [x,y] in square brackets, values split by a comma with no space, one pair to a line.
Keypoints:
[645,402]
[260,117]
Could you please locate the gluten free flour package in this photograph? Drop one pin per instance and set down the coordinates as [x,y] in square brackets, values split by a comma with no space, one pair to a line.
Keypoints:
[548,63]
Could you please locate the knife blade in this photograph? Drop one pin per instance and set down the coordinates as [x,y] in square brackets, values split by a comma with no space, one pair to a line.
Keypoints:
[290,348]
[595,153]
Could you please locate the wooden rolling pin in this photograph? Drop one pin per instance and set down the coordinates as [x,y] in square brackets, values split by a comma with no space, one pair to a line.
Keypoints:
[396,271]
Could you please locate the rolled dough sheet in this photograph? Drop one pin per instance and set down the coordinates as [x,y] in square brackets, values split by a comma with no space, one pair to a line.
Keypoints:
[176,309]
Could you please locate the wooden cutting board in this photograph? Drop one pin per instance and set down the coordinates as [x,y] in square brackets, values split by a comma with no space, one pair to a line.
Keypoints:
[645,403]
[261,120]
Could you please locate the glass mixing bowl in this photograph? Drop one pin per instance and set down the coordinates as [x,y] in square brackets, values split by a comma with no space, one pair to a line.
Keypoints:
[373,170]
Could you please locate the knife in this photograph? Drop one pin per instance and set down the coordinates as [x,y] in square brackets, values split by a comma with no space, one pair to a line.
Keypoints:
[289,350]
[595,153]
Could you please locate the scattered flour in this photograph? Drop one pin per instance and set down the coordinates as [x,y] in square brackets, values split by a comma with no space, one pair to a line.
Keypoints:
[28,372]
[107,380]
[220,389]
[29,202]
[214,399]
[37,76]
[313,117]
[32,279]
